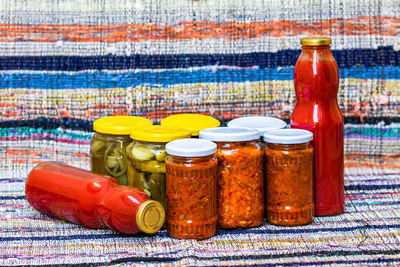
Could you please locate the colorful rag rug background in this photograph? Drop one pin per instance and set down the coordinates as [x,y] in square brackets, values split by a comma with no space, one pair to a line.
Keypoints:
[64,64]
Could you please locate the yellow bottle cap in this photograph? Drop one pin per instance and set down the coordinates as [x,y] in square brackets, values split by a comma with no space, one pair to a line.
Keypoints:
[315,41]
[120,125]
[158,133]
[150,217]
[193,122]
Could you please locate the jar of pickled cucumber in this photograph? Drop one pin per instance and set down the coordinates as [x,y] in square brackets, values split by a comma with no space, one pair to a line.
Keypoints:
[146,154]
[192,122]
[108,145]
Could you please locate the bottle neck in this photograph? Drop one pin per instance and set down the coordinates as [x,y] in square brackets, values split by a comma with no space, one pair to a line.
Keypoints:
[316,47]
[316,76]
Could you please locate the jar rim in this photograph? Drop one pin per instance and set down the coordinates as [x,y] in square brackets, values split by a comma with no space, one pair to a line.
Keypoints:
[189,147]
[288,136]
[229,134]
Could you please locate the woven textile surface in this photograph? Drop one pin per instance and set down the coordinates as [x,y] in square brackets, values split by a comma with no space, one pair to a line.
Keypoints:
[64,64]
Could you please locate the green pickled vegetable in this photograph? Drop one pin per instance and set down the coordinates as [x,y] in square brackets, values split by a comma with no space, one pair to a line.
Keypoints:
[121,179]
[96,147]
[161,156]
[108,157]
[131,174]
[115,161]
[156,182]
[147,192]
[139,180]
[151,166]
[141,153]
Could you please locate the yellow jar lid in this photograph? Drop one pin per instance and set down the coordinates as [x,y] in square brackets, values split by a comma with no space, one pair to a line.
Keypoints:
[158,133]
[150,217]
[192,122]
[120,125]
[315,41]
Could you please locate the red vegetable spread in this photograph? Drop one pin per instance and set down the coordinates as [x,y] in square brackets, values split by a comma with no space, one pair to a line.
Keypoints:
[191,197]
[240,184]
[289,186]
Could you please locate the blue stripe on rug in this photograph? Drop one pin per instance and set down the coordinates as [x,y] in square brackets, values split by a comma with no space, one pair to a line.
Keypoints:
[382,56]
[172,77]
[78,124]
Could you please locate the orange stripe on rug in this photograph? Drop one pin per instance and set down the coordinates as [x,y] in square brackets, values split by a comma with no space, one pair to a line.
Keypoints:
[385,26]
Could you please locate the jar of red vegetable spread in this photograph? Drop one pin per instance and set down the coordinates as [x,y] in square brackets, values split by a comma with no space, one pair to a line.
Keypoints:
[191,188]
[146,154]
[289,186]
[107,149]
[91,200]
[240,176]
[192,122]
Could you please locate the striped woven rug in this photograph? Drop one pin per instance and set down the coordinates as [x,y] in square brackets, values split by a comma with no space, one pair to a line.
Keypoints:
[65,63]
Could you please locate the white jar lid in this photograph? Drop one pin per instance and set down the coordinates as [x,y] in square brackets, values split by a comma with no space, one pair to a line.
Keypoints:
[288,136]
[191,147]
[228,134]
[261,124]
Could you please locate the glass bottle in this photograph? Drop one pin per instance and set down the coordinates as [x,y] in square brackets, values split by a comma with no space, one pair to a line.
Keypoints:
[91,200]
[316,81]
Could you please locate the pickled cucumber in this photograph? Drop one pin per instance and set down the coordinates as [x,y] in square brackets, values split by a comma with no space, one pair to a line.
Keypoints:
[156,182]
[131,174]
[152,166]
[96,147]
[161,156]
[141,153]
[139,180]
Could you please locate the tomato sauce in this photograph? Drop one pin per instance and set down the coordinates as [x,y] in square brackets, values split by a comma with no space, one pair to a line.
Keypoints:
[91,200]
[316,81]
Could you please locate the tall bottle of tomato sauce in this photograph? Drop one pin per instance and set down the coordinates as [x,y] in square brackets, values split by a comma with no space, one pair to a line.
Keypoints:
[316,82]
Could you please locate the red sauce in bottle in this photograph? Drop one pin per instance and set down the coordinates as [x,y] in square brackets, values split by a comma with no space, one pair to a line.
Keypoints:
[91,200]
[316,81]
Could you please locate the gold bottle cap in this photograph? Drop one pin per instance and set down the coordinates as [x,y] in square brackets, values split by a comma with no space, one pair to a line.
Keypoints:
[150,217]
[315,41]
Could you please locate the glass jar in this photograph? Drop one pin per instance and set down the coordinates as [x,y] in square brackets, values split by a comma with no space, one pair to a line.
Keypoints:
[289,187]
[191,188]
[108,145]
[146,154]
[240,176]
[192,122]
